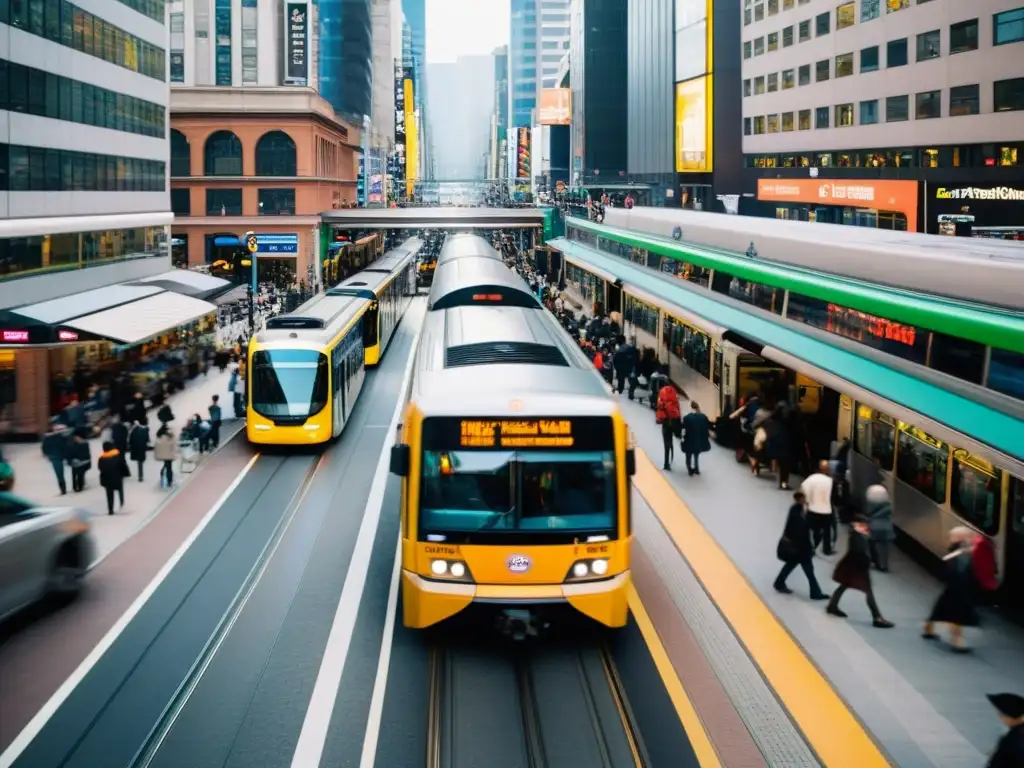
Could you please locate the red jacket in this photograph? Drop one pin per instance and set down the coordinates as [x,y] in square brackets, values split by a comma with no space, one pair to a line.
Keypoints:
[668,404]
[983,562]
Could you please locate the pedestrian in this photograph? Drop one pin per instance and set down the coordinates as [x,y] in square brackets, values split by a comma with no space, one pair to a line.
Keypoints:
[1009,751]
[80,457]
[113,470]
[818,491]
[215,417]
[55,449]
[138,445]
[956,605]
[854,572]
[137,410]
[119,433]
[795,549]
[878,510]
[667,415]
[165,450]
[696,437]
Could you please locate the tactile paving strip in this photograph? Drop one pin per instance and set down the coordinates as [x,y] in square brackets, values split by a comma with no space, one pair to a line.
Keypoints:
[769,725]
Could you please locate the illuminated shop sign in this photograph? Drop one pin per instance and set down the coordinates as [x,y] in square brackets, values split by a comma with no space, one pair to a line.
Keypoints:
[67,336]
[878,327]
[13,337]
[979,193]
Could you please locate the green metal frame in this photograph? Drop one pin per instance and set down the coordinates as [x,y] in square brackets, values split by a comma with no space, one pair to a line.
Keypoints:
[990,326]
[994,428]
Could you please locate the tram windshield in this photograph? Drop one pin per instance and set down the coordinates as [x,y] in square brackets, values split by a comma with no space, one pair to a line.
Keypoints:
[525,491]
[289,383]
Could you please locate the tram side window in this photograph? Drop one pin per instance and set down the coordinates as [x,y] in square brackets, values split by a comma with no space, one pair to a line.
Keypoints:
[875,437]
[976,493]
[643,316]
[958,357]
[1006,373]
[1017,506]
[922,463]
[755,294]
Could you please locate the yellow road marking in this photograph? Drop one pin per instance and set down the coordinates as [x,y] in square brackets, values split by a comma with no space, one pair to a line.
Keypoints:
[827,723]
[707,757]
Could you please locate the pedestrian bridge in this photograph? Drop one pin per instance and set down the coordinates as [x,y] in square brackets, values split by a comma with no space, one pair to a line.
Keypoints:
[442,217]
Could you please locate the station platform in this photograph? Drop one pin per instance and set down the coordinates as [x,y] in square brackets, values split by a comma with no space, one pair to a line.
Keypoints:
[712,538]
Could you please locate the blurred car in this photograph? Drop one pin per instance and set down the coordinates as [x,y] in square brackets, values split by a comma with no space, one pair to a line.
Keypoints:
[44,552]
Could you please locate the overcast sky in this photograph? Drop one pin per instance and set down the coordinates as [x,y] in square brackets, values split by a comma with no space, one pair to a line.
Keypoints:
[465,27]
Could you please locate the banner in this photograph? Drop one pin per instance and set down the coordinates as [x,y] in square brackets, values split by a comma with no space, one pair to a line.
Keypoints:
[296,32]
[523,154]
[694,125]
[555,106]
[411,145]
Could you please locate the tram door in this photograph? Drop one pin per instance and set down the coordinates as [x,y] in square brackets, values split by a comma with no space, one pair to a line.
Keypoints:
[1013,582]
[614,294]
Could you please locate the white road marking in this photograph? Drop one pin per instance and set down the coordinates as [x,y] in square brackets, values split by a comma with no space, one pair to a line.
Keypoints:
[380,683]
[30,731]
[313,736]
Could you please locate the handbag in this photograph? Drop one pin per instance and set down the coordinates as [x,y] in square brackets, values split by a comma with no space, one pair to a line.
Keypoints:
[785,550]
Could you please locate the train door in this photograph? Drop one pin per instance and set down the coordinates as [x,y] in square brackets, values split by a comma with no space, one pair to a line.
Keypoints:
[338,387]
[613,293]
[1013,580]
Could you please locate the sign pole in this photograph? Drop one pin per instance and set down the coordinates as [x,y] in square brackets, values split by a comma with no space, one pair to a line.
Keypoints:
[252,245]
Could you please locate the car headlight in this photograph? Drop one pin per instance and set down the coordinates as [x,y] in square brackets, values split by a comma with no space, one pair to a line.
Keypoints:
[581,570]
[450,570]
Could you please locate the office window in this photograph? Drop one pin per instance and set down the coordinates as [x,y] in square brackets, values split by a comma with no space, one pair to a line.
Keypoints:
[758,125]
[821,71]
[804,120]
[746,126]
[929,45]
[869,9]
[1008,27]
[758,85]
[844,115]
[897,109]
[963,36]
[759,46]
[746,87]
[773,82]
[746,50]
[964,100]
[787,36]
[787,122]
[773,41]
[844,65]
[748,17]
[788,79]
[276,155]
[846,15]
[822,24]
[805,74]
[759,12]
[787,5]
[805,31]
[1008,95]
[223,202]
[869,112]
[35,169]
[181,202]
[896,53]
[773,123]
[249,42]
[891,6]
[869,59]
[821,117]
[276,202]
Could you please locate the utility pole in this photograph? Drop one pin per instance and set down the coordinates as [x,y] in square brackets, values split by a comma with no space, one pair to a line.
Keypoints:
[252,245]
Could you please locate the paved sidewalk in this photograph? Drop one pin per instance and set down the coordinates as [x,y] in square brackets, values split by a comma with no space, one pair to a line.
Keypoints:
[925,705]
[35,480]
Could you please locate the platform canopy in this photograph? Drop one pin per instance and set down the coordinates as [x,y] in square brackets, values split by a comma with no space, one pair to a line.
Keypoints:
[443,217]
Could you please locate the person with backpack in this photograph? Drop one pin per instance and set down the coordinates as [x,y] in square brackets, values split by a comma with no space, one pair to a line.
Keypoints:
[668,416]
[215,418]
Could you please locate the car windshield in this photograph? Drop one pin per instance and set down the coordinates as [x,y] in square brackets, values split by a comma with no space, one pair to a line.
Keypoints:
[289,382]
[471,491]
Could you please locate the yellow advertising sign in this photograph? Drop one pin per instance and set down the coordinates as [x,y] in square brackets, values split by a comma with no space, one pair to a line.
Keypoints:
[411,137]
[695,125]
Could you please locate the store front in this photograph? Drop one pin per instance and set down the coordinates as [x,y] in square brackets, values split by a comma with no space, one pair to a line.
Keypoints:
[97,346]
[879,204]
[991,210]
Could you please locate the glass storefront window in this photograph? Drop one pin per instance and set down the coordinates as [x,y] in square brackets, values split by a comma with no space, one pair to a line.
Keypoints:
[977,492]
[875,437]
[1006,373]
[922,462]
[27,255]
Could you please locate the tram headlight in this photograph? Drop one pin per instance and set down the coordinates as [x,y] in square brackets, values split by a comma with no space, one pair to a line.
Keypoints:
[582,570]
[450,570]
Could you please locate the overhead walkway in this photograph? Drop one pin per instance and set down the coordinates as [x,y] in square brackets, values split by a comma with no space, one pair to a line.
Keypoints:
[443,217]
[984,423]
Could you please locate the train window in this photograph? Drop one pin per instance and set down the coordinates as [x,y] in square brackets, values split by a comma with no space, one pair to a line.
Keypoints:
[756,294]
[642,315]
[875,437]
[289,382]
[957,357]
[716,369]
[466,491]
[976,492]
[922,462]
[1006,373]
[1017,506]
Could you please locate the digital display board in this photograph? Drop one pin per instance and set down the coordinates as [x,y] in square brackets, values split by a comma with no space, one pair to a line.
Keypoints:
[694,130]
[589,433]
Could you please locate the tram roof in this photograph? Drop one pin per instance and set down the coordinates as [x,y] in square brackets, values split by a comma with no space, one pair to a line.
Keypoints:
[440,217]
[316,322]
[461,245]
[379,272]
[985,324]
[481,279]
[990,428]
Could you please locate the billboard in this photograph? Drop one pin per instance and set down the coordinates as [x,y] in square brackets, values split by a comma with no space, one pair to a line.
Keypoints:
[694,125]
[397,169]
[411,143]
[555,106]
[296,43]
[523,153]
[887,195]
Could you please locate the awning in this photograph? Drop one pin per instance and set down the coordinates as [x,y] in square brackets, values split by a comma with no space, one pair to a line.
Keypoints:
[56,311]
[226,240]
[190,283]
[143,319]
[238,293]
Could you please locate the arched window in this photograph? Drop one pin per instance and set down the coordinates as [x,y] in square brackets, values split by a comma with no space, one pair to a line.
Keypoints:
[222,155]
[275,155]
[181,154]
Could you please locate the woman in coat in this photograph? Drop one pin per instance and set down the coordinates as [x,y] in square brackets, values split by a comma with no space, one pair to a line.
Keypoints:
[795,549]
[113,470]
[878,510]
[956,604]
[80,458]
[138,445]
[667,415]
[696,437]
[165,450]
[854,572]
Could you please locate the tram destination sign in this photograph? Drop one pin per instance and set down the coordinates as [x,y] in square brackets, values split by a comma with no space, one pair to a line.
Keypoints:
[582,433]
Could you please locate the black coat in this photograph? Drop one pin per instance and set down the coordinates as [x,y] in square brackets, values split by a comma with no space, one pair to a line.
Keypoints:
[79,452]
[696,433]
[1010,750]
[956,604]
[55,446]
[137,410]
[138,443]
[853,571]
[119,436]
[796,537]
[113,469]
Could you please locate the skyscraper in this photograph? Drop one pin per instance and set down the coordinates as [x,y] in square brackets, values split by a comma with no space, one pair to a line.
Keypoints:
[346,57]
[554,39]
[523,63]
[461,105]
[498,148]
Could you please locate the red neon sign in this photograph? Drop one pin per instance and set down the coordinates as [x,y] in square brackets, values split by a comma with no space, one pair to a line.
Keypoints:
[878,327]
[15,336]
[67,336]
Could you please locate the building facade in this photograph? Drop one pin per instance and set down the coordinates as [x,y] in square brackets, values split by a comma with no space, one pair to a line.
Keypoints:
[523,63]
[268,161]
[910,115]
[460,100]
[499,146]
[345,61]
[83,181]
[382,117]
[553,34]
